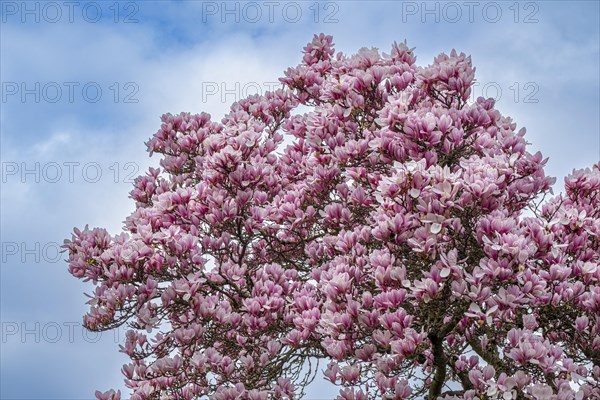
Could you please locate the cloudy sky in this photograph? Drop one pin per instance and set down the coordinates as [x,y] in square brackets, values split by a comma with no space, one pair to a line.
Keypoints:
[85,83]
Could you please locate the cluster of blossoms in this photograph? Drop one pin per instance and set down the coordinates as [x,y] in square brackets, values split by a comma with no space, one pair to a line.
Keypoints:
[398,235]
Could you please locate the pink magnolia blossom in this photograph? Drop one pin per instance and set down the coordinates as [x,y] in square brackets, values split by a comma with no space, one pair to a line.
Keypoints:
[387,236]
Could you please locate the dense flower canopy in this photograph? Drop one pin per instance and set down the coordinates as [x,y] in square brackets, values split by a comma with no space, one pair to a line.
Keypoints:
[398,232]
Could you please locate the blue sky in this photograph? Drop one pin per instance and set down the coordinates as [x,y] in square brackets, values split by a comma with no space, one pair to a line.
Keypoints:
[85,83]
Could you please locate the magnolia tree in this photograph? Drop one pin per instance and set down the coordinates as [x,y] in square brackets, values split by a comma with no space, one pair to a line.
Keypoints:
[398,232]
